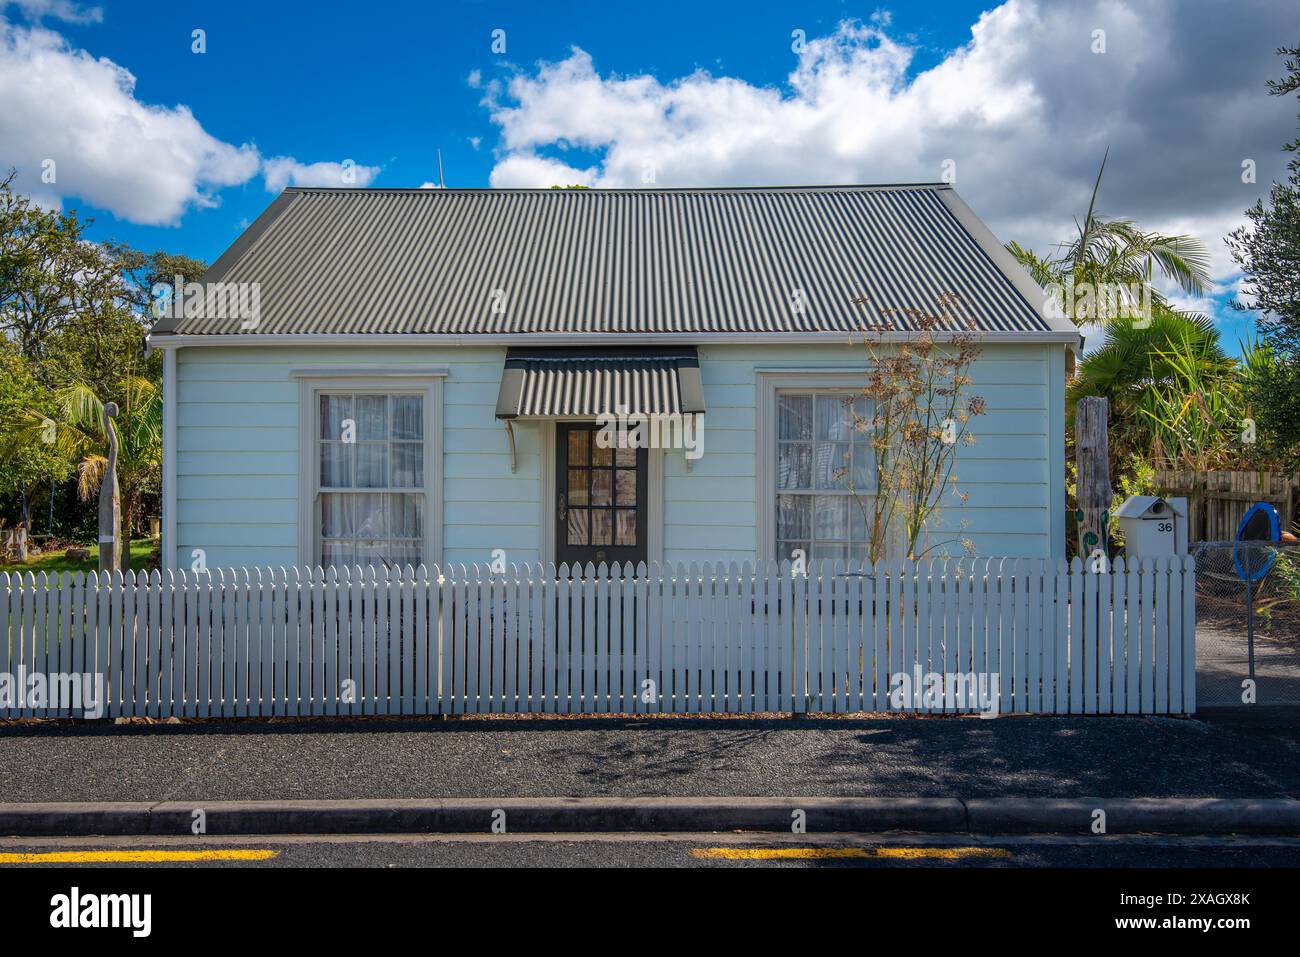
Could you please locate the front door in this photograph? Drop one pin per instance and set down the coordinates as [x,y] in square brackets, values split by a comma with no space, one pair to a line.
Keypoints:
[600,511]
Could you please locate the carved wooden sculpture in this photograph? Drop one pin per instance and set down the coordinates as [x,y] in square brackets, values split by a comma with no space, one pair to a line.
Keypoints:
[1093,492]
[110,501]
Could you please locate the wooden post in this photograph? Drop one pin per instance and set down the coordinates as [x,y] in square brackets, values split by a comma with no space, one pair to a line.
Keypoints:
[110,500]
[1290,502]
[1092,459]
[1201,508]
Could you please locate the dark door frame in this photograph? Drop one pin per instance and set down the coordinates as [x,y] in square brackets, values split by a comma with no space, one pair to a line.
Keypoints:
[595,554]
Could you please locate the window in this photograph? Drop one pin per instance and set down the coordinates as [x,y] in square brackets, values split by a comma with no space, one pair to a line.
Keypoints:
[371,479]
[824,471]
[370,468]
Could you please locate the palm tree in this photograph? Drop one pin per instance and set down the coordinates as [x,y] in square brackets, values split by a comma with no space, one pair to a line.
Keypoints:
[1115,254]
[1173,391]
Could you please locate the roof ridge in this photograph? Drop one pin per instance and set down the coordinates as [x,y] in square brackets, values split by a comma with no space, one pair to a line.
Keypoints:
[435,190]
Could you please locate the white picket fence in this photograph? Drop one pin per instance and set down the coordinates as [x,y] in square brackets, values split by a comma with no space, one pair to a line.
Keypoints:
[699,639]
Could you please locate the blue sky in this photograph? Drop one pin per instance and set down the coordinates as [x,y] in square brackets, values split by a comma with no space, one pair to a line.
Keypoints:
[1014,94]
[327,83]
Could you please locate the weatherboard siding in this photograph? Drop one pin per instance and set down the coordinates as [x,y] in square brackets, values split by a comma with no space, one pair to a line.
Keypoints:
[237,454]
[710,512]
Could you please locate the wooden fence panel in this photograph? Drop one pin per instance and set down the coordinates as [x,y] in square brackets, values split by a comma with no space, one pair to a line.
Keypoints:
[1119,639]
[1160,635]
[832,637]
[1178,650]
[1217,500]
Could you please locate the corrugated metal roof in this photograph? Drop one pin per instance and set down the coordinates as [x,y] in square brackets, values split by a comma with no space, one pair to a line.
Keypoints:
[467,262]
[563,383]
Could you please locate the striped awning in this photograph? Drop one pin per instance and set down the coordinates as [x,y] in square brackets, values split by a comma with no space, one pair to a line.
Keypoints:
[585,383]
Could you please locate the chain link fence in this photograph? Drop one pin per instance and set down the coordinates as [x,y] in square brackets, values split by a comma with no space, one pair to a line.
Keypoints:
[1247,623]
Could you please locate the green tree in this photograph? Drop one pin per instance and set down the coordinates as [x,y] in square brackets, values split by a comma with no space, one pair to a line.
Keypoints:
[145,272]
[1175,396]
[1268,252]
[80,438]
[1116,255]
[1106,272]
[73,316]
[46,270]
[36,461]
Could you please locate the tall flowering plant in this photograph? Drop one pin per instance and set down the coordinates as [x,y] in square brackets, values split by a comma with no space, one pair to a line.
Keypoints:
[917,412]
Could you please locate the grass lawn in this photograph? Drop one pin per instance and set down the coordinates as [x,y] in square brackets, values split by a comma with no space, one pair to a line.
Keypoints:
[55,562]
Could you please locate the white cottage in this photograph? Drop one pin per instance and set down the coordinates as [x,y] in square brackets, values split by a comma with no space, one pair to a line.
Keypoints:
[417,375]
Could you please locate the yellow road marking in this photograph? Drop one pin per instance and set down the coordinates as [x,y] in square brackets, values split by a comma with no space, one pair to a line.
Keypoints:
[833,853]
[136,857]
[942,853]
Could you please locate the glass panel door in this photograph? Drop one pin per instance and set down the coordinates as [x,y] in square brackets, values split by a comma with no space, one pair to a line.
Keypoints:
[601,499]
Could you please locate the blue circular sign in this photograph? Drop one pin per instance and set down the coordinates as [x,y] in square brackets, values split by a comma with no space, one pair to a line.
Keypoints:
[1259,524]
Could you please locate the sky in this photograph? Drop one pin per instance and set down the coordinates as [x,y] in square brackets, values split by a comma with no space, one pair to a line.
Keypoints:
[175,139]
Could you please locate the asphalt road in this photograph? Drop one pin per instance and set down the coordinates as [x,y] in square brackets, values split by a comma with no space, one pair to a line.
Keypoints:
[1250,754]
[677,850]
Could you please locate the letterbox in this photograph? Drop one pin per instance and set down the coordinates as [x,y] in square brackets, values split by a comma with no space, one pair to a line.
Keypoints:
[1153,525]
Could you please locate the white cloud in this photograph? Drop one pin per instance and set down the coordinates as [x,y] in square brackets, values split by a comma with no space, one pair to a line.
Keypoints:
[282,171]
[1024,111]
[141,162]
[526,170]
[35,10]
[74,115]
[1202,304]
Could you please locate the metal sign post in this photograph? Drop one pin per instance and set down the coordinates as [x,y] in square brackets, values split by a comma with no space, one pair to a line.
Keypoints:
[1259,526]
[1250,625]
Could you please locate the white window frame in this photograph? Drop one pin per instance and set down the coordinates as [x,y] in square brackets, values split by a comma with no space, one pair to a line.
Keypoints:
[769,383]
[311,383]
